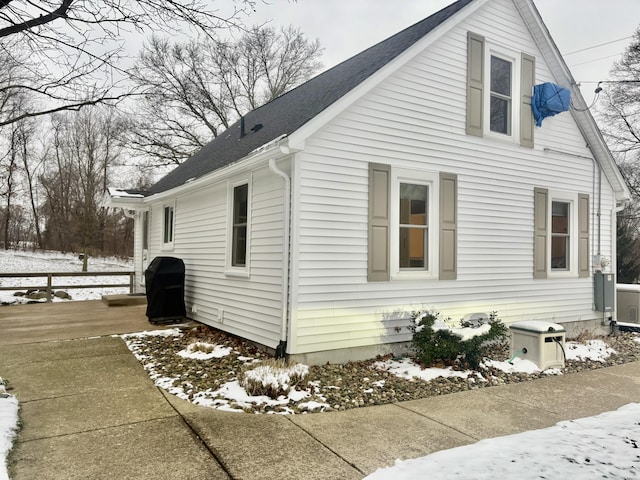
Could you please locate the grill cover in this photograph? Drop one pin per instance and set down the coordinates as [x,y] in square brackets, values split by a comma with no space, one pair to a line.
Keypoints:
[164,285]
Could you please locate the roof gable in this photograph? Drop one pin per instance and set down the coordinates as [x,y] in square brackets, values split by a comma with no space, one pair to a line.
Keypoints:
[287,113]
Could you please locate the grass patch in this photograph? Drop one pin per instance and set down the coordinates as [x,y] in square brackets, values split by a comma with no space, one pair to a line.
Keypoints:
[273,378]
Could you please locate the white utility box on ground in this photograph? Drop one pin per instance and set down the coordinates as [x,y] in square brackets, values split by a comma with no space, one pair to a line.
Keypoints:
[540,342]
[628,298]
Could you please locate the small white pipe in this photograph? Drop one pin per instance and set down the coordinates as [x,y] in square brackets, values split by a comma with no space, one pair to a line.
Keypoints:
[285,254]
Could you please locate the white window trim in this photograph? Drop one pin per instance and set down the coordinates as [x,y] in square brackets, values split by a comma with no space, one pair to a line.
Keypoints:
[230,270]
[572,200]
[418,177]
[169,245]
[515,59]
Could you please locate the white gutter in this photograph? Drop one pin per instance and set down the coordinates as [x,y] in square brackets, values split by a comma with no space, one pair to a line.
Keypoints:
[284,326]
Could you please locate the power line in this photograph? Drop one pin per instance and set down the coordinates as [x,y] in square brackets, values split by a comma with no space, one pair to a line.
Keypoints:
[596,46]
[595,60]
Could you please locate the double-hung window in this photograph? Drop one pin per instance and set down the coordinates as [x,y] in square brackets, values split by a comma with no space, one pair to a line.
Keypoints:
[168,225]
[412,224]
[500,95]
[239,228]
[239,235]
[413,248]
[499,88]
[561,234]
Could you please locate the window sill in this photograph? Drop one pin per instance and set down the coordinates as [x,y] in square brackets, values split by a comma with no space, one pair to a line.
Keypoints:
[562,275]
[237,273]
[412,276]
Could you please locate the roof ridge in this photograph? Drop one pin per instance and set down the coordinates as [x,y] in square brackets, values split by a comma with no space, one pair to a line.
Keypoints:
[288,112]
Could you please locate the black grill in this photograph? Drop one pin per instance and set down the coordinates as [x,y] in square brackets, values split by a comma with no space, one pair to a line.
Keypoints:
[164,284]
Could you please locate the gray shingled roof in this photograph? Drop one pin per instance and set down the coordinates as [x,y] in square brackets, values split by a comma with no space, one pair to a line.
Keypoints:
[287,113]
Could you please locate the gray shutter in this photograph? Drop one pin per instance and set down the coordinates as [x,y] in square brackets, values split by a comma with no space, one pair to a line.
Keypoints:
[448,226]
[475,84]
[527,80]
[583,235]
[379,224]
[540,235]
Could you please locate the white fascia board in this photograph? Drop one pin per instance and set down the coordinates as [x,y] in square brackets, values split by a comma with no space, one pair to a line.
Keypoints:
[297,139]
[580,113]
[274,150]
[128,202]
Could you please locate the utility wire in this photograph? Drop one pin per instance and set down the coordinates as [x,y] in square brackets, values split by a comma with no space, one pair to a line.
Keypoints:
[596,46]
[595,60]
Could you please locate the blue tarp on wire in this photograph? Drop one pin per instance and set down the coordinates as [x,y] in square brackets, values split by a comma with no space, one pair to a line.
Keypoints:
[548,100]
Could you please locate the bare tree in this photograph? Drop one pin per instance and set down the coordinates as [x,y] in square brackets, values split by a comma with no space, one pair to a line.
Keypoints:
[70,51]
[84,153]
[620,118]
[193,91]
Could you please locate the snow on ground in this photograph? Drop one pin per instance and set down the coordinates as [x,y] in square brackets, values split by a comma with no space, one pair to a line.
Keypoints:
[233,397]
[18,261]
[604,446]
[8,428]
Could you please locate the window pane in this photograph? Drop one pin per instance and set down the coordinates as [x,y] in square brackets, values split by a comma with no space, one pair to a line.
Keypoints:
[501,76]
[168,224]
[413,247]
[239,246]
[560,253]
[560,237]
[500,120]
[560,217]
[240,204]
[240,213]
[413,204]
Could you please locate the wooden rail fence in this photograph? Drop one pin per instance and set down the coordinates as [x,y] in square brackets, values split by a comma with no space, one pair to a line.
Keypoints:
[50,287]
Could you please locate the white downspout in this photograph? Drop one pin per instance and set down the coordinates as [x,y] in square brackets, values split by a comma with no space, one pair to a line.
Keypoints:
[284,326]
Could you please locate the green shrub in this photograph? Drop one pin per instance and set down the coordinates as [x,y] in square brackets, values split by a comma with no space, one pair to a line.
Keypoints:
[442,346]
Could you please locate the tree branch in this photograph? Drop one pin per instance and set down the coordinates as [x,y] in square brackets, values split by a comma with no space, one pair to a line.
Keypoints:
[60,12]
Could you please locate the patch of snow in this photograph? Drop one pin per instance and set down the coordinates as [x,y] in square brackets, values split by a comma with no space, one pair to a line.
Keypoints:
[603,446]
[313,406]
[8,429]
[169,332]
[406,368]
[205,351]
[519,365]
[595,350]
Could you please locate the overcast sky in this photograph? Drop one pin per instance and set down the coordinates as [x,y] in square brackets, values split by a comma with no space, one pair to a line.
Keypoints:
[346,27]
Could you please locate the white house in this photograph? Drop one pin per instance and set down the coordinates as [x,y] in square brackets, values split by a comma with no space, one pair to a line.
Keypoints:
[409,176]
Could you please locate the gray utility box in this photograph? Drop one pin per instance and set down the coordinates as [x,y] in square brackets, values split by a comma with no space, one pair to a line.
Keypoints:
[604,291]
[540,342]
[628,298]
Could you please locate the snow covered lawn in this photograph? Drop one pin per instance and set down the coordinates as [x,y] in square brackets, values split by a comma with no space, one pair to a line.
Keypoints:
[17,261]
[8,427]
[604,446]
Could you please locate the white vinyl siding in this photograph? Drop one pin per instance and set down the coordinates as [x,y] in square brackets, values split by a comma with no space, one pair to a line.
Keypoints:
[416,119]
[246,306]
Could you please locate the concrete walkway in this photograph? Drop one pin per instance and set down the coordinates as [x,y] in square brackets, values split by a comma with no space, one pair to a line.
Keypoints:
[89,411]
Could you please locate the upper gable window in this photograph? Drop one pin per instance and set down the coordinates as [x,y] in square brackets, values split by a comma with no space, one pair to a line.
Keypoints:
[499,88]
[500,95]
